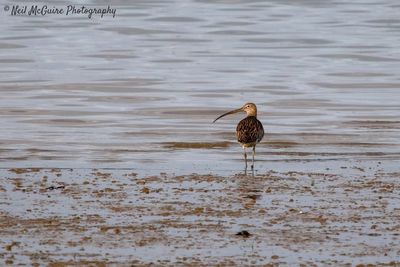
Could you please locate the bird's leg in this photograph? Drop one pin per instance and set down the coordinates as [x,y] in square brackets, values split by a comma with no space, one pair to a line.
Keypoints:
[245,158]
[254,152]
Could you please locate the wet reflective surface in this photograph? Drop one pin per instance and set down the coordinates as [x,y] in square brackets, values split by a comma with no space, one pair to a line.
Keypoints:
[119,92]
[138,93]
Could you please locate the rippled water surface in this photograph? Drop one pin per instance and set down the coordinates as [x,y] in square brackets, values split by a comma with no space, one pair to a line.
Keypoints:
[140,91]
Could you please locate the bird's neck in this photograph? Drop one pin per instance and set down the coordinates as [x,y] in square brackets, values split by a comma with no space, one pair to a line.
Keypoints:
[252,114]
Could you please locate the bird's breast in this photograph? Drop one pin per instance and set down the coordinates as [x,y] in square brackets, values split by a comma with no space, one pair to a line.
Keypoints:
[249,131]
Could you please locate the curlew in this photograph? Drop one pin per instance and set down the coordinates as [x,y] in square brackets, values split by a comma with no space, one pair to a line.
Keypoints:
[249,131]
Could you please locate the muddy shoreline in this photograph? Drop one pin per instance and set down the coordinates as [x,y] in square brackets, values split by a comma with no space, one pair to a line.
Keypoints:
[61,217]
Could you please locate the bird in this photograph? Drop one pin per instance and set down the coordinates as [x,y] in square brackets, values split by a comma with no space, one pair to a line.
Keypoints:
[249,131]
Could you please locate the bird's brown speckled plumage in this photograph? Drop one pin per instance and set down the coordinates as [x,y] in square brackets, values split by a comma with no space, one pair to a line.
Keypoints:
[249,131]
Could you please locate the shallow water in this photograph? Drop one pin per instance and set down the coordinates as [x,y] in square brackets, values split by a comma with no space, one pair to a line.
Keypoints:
[140,90]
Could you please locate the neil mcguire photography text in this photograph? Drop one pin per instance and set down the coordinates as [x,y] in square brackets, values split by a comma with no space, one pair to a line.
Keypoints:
[35,10]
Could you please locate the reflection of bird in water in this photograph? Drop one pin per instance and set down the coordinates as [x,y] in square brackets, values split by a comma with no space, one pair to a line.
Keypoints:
[249,131]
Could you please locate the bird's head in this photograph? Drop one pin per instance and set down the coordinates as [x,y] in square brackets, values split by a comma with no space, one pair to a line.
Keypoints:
[249,108]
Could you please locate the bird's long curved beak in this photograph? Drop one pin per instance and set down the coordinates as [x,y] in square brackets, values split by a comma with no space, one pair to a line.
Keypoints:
[228,113]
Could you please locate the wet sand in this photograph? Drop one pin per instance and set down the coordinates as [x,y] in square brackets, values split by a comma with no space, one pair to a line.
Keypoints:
[64,217]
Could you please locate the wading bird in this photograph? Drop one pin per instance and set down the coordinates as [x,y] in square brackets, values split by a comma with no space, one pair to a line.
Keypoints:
[249,131]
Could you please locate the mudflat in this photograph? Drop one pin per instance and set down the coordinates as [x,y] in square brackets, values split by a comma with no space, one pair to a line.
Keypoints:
[64,217]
